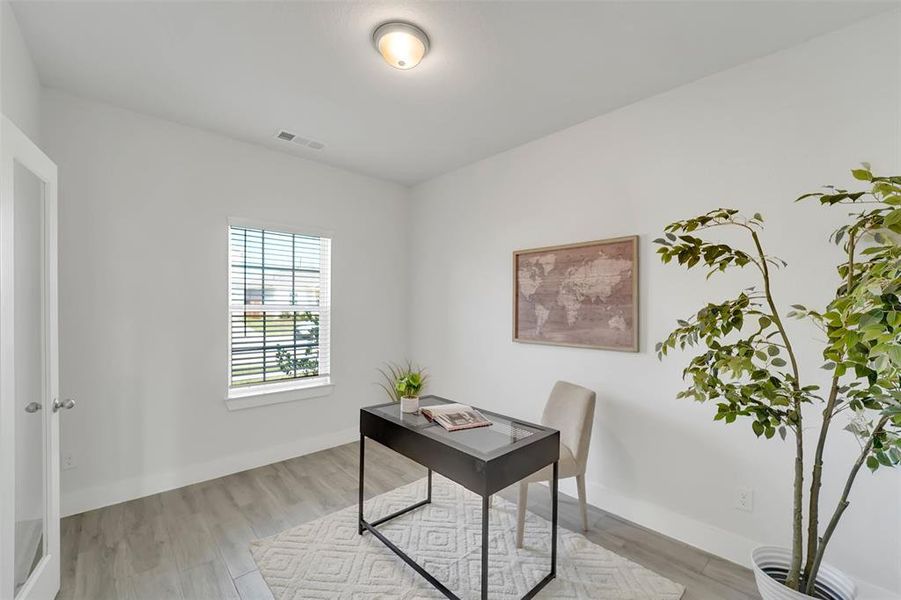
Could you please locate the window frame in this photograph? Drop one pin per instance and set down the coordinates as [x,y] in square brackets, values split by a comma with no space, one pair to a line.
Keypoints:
[262,394]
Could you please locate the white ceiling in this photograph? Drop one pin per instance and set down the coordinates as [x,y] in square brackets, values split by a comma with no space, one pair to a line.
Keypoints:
[499,74]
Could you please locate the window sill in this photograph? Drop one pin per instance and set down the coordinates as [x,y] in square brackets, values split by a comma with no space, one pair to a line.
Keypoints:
[254,397]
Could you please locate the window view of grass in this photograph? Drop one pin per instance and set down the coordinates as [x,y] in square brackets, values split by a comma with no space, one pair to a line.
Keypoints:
[269,347]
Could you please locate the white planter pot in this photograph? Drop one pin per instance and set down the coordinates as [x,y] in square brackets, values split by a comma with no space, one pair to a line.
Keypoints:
[409,405]
[771,561]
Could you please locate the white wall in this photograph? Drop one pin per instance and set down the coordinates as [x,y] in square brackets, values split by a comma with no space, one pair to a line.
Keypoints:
[20,89]
[754,137]
[142,242]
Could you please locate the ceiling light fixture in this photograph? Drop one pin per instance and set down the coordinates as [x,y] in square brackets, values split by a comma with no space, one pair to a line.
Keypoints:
[402,45]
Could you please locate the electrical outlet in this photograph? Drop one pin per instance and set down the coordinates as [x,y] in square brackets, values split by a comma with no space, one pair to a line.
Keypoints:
[744,499]
[68,461]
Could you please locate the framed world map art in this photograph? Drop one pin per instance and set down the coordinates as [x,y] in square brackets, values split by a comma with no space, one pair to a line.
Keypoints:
[583,295]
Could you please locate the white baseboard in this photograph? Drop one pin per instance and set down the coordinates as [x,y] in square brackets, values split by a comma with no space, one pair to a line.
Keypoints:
[715,540]
[82,500]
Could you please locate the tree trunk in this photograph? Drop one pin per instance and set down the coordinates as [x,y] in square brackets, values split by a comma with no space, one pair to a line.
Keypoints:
[813,533]
[842,505]
[793,580]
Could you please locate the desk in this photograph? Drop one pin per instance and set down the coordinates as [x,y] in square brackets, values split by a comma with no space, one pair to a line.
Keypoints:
[484,460]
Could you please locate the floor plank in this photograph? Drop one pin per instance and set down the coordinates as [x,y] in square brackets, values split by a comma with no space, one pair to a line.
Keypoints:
[233,539]
[155,585]
[192,543]
[208,581]
[252,587]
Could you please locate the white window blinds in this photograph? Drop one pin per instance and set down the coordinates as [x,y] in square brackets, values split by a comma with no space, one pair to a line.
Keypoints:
[278,308]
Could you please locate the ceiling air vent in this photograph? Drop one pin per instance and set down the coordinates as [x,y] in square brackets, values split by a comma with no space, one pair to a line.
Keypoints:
[287,136]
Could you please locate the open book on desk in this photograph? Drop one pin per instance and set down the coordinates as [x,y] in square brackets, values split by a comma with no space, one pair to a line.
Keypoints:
[455,416]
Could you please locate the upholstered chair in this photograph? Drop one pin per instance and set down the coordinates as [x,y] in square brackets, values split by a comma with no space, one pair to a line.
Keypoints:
[570,409]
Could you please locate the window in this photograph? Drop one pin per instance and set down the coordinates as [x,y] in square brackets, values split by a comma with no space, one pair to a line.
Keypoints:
[278,310]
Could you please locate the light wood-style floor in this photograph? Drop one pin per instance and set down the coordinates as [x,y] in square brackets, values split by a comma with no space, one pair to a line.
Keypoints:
[192,543]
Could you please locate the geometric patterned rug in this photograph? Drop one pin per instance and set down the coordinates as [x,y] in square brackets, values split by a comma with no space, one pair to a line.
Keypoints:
[327,559]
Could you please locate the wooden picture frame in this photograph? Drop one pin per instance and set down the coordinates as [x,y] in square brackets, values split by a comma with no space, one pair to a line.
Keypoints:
[578,295]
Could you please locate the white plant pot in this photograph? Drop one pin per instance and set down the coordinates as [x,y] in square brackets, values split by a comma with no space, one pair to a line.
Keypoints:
[409,404]
[771,561]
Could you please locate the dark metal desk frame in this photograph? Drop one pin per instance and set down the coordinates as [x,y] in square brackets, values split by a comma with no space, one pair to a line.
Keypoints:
[482,473]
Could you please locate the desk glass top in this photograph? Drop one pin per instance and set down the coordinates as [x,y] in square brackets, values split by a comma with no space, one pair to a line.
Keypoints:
[502,432]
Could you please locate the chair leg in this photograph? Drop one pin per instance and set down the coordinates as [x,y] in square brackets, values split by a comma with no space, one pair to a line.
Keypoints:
[521,512]
[583,505]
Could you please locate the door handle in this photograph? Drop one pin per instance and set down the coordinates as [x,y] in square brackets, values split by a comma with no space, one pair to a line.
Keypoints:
[32,407]
[67,404]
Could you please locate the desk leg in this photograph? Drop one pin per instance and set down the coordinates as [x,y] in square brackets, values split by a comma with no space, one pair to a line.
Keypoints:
[362,462]
[430,486]
[554,524]
[484,547]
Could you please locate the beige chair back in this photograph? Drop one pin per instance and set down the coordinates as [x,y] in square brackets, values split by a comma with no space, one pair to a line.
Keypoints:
[570,409]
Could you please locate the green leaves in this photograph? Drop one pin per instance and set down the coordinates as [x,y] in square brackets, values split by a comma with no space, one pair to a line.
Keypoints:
[410,384]
[736,368]
[742,359]
[402,380]
[862,174]
[886,444]
[689,250]
[837,197]
[710,323]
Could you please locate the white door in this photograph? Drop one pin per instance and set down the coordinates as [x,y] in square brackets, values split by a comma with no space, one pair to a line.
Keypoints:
[29,402]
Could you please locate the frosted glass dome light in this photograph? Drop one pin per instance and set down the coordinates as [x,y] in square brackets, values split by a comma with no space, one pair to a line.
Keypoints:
[402,45]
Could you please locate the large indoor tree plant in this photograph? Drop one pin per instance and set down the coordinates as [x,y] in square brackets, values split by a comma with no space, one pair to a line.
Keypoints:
[748,364]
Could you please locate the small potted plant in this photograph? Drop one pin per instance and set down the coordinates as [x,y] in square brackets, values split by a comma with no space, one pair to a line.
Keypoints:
[404,384]
[748,367]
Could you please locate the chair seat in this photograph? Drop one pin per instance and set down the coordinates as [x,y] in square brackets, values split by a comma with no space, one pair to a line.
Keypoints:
[568,468]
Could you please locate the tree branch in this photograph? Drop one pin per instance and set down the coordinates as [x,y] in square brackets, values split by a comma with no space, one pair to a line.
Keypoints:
[793,579]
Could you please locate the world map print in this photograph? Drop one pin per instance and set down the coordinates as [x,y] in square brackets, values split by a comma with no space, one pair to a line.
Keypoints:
[578,295]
